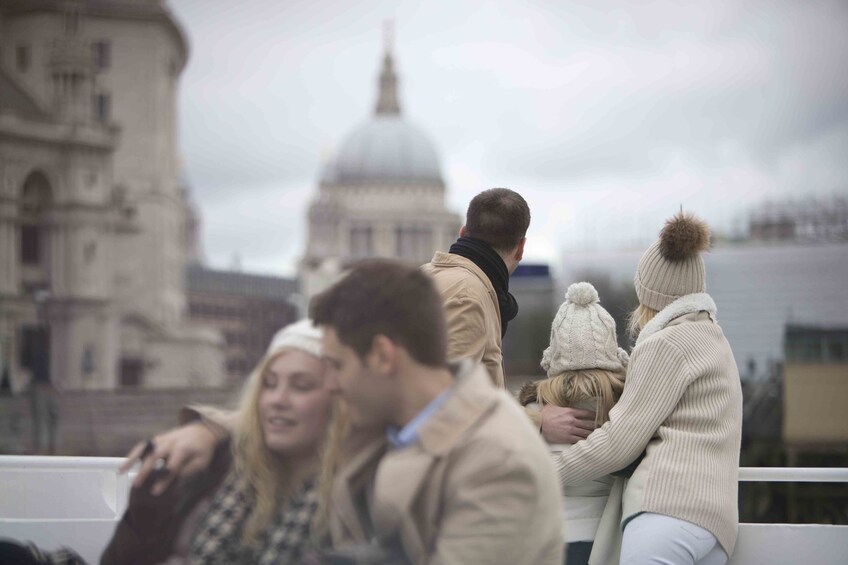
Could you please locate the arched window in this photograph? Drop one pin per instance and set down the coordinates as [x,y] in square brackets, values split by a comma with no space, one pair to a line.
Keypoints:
[35,200]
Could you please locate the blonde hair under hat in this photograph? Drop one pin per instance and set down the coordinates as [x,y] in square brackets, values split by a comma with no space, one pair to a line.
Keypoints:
[583,335]
[301,335]
[673,267]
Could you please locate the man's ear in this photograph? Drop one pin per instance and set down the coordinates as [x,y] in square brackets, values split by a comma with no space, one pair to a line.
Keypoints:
[519,251]
[462,231]
[383,356]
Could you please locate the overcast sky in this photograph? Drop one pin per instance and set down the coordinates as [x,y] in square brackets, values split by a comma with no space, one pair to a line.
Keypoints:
[604,115]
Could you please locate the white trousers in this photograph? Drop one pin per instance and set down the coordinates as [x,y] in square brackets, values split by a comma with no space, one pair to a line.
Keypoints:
[655,539]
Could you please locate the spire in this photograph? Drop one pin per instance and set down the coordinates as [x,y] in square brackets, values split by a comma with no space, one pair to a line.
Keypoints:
[387,103]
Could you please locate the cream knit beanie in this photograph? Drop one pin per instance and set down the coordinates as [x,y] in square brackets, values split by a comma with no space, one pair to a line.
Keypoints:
[672,267]
[302,335]
[583,335]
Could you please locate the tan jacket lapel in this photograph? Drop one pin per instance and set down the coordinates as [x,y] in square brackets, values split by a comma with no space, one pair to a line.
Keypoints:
[404,473]
[349,520]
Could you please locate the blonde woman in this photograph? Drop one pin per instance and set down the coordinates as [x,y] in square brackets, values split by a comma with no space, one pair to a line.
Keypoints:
[585,369]
[263,498]
[683,405]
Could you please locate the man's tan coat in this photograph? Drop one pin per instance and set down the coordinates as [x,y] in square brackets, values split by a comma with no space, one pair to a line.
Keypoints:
[471,309]
[477,487]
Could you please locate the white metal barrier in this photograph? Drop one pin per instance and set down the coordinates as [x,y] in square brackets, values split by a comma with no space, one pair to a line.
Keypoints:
[791,544]
[62,501]
[77,502]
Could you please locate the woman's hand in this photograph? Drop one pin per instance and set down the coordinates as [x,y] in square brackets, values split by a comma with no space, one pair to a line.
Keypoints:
[566,425]
[177,453]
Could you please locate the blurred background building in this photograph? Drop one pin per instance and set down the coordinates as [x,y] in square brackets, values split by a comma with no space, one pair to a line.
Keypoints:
[247,309]
[381,195]
[93,216]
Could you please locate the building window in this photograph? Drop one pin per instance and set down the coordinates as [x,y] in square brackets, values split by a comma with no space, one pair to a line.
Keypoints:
[102,107]
[72,20]
[35,352]
[89,252]
[361,244]
[30,244]
[102,55]
[87,364]
[413,243]
[22,58]
[132,372]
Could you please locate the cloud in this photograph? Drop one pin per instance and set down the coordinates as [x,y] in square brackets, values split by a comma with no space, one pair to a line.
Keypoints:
[605,115]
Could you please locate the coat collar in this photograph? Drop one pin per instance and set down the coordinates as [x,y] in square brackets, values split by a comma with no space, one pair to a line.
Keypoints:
[402,473]
[691,303]
[360,454]
[398,475]
[442,259]
[472,397]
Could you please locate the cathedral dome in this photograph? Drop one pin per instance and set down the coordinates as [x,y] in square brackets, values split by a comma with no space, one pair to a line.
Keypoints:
[387,148]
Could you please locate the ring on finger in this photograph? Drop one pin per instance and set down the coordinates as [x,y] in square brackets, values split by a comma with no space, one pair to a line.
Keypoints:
[148,449]
[160,464]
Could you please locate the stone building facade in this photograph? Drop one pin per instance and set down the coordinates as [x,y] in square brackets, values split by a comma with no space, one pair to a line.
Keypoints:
[381,195]
[93,217]
[247,309]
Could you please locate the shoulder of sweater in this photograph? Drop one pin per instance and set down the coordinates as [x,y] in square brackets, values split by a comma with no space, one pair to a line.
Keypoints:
[689,340]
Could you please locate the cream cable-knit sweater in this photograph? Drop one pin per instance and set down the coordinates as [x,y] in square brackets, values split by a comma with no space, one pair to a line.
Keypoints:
[683,401]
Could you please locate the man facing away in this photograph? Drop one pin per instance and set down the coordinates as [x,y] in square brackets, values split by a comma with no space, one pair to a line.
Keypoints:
[473,277]
[440,463]
[473,281]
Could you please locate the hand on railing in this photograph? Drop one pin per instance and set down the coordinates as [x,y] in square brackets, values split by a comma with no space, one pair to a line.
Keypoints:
[177,453]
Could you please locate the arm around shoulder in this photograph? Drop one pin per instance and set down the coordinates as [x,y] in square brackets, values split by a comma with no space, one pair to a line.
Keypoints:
[657,377]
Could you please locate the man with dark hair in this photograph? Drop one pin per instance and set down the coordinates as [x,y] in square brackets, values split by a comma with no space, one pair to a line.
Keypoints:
[473,277]
[440,466]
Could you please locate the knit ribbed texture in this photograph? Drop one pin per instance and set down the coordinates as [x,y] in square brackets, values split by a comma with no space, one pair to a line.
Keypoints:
[659,282]
[683,400]
[582,335]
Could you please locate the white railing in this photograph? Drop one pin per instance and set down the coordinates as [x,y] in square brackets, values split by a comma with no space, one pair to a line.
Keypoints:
[77,501]
[793,474]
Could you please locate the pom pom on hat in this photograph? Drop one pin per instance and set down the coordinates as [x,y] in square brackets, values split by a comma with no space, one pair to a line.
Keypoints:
[582,294]
[673,267]
[684,236]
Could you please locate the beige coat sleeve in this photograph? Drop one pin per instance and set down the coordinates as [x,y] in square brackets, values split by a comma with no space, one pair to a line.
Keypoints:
[657,377]
[466,328]
[489,509]
[467,335]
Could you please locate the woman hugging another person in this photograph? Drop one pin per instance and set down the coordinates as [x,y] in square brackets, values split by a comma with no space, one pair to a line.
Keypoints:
[264,497]
[585,369]
[682,405]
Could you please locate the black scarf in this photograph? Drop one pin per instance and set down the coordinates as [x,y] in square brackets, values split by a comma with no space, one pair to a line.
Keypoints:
[482,255]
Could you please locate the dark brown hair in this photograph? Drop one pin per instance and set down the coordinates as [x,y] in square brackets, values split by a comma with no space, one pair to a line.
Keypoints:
[499,217]
[385,297]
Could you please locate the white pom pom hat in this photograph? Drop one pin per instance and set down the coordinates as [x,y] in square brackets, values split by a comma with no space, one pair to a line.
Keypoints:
[583,335]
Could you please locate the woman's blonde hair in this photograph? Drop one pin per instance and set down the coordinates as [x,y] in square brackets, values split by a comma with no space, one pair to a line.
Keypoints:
[268,476]
[572,387]
[638,319]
